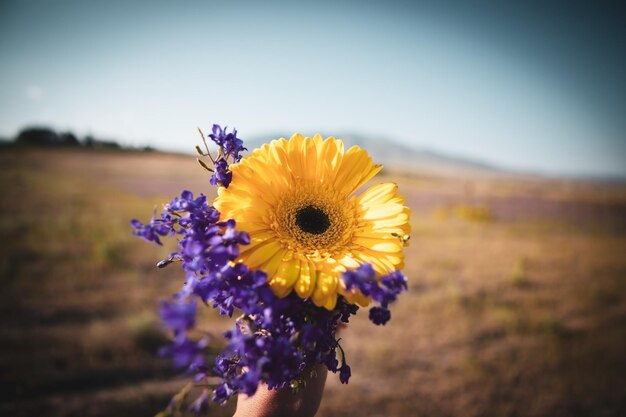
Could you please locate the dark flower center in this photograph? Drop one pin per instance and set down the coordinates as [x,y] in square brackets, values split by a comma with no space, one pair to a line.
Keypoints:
[312,220]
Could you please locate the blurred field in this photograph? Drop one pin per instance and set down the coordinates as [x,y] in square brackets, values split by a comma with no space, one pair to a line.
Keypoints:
[516,306]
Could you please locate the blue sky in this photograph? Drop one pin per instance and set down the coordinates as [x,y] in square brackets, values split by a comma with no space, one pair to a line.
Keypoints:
[539,88]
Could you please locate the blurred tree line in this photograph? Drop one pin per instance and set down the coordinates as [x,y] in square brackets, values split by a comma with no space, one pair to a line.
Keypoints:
[44,136]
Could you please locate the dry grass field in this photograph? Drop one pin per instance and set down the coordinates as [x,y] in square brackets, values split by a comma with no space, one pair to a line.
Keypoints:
[517,302]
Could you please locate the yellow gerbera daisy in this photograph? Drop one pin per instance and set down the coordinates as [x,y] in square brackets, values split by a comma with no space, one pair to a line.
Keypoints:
[296,200]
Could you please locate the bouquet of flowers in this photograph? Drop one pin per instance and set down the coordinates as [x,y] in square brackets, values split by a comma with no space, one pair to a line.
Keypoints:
[289,247]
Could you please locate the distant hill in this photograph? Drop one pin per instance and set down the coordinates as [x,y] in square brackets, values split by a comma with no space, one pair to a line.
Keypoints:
[43,136]
[399,157]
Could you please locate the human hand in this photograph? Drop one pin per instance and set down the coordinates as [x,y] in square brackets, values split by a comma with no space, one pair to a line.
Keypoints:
[286,402]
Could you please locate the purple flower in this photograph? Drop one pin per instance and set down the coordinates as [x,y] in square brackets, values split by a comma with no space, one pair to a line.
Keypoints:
[222,393]
[395,281]
[178,316]
[221,175]
[230,148]
[150,231]
[184,352]
[344,373]
[362,278]
[202,246]
[384,292]
[229,143]
[201,404]
[379,315]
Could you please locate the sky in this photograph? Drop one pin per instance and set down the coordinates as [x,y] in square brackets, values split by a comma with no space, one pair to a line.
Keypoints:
[531,86]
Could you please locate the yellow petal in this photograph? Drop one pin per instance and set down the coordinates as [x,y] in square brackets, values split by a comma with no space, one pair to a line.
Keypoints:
[260,254]
[272,265]
[356,297]
[383,212]
[306,281]
[294,152]
[349,262]
[381,245]
[285,278]
[325,288]
[380,267]
[379,193]
[331,153]
[331,301]
[309,159]
[401,220]
[279,155]
[356,169]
